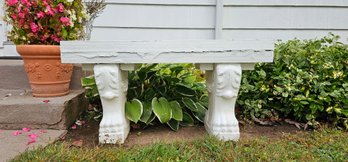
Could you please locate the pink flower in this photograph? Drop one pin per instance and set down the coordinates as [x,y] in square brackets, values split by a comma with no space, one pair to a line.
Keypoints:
[14,16]
[33,136]
[65,21]
[16,133]
[46,101]
[40,14]
[43,39]
[74,126]
[26,129]
[55,38]
[31,140]
[19,8]
[12,2]
[26,3]
[48,10]
[60,7]
[33,27]
[21,22]
[55,10]
[21,15]
[45,2]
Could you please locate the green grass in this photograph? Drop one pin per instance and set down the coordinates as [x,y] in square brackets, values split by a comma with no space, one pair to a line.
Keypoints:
[323,145]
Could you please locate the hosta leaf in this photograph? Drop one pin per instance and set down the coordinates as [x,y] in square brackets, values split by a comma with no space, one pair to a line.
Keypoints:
[134,110]
[176,110]
[187,120]
[200,114]
[189,103]
[162,109]
[174,125]
[152,118]
[147,112]
[149,94]
[204,100]
[184,90]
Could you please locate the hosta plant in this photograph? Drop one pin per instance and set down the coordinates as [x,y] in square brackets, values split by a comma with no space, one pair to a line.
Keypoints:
[44,21]
[161,93]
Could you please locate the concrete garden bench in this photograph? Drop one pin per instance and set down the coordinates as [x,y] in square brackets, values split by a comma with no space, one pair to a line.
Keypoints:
[223,62]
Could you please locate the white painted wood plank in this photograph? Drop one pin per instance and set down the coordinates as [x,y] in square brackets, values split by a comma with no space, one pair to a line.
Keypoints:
[163,2]
[275,35]
[317,3]
[157,16]
[150,34]
[286,17]
[200,51]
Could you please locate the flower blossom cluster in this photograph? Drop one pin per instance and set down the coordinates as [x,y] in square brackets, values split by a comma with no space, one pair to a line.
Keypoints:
[44,21]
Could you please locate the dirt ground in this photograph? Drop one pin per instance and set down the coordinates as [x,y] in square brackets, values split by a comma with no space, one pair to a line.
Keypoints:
[87,135]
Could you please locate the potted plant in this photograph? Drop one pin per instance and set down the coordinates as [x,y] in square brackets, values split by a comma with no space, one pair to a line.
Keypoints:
[37,28]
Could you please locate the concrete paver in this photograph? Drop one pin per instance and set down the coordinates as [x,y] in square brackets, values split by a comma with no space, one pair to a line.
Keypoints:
[11,146]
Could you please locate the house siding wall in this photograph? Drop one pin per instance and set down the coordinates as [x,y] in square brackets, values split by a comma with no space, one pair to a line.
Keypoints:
[2,26]
[239,19]
[242,19]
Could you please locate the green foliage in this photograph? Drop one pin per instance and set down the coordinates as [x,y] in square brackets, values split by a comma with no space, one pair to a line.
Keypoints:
[168,88]
[174,94]
[307,82]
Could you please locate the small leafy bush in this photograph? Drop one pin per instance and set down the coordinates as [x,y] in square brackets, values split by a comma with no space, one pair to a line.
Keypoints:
[174,94]
[307,82]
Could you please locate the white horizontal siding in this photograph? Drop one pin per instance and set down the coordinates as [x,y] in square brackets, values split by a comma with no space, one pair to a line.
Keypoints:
[242,19]
[157,16]
[286,17]
[274,35]
[150,34]
[313,3]
[164,2]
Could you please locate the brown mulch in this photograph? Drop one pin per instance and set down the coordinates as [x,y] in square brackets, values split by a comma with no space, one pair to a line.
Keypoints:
[87,134]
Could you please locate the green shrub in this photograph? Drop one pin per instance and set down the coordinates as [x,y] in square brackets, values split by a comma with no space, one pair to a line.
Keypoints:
[307,82]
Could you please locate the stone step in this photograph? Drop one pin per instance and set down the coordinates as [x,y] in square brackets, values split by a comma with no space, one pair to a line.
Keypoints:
[13,76]
[19,109]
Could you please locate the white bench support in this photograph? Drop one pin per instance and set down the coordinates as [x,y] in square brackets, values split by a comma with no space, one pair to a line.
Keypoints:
[112,85]
[223,85]
[223,62]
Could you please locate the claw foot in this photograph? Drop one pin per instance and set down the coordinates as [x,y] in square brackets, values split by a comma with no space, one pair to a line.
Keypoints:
[113,133]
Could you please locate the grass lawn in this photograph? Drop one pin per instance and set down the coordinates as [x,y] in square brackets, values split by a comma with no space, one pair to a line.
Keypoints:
[324,145]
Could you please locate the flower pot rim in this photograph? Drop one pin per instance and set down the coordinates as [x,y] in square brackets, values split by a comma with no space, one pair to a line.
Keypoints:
[37,45]
[38,50]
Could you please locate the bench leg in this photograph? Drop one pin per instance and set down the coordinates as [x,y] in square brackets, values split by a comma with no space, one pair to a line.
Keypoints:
[223,85]
[112,85]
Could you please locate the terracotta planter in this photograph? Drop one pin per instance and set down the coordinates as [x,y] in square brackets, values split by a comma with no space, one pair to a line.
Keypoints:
[47,76]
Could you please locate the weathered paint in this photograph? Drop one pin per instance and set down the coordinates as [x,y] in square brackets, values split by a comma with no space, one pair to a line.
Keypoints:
[197,51]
